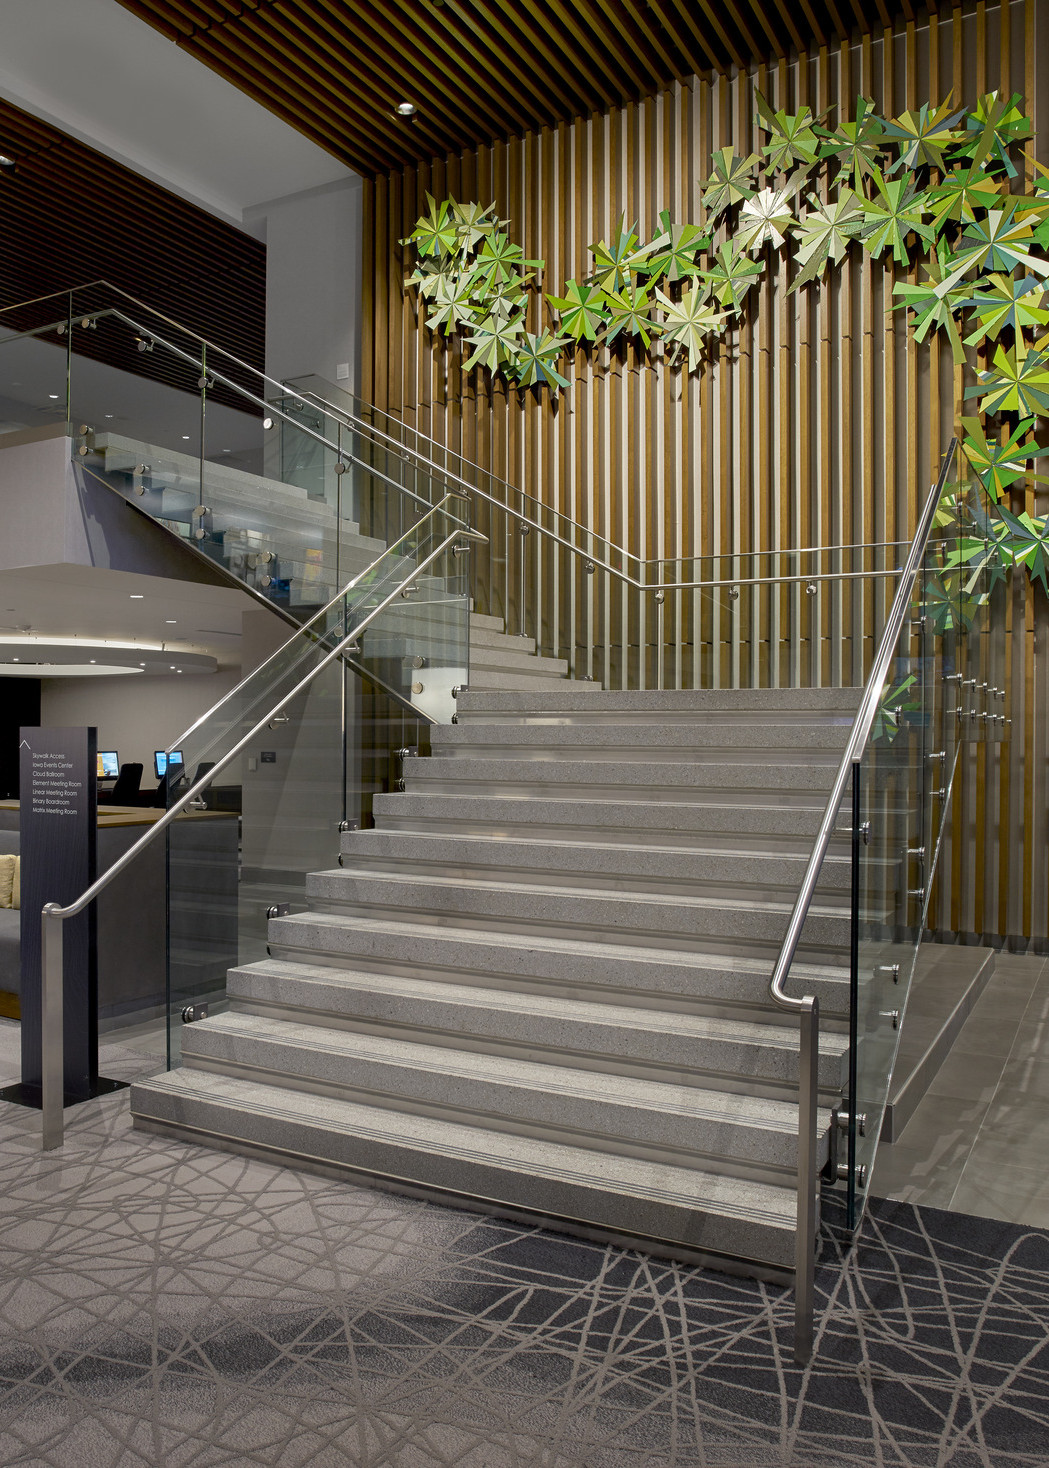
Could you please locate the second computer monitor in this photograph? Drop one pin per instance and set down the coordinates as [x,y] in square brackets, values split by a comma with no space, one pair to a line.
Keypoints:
[163,762]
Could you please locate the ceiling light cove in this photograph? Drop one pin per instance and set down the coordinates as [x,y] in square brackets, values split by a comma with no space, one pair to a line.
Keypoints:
[82,657]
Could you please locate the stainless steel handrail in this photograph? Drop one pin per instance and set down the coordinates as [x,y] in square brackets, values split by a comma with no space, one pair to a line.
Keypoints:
[428,466]
[216,376]
[306,629]
[807,1008]
[264,601]
[636,583]
[52,915]
[431,466]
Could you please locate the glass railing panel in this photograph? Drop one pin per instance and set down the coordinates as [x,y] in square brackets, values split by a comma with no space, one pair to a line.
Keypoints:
[930,718]
[330,744]
[405,445]
[265,495]
[34,368]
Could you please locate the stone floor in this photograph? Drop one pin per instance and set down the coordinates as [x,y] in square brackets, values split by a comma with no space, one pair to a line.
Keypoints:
[979,1141]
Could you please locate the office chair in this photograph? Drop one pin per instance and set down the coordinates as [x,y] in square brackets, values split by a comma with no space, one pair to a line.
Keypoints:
[167,782]
[125,789]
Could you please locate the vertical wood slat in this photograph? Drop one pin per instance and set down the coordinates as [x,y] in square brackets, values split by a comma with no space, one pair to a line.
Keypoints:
[818,419]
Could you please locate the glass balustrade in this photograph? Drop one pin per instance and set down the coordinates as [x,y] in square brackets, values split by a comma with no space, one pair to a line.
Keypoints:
[289,488]
[937,709]
[326,735]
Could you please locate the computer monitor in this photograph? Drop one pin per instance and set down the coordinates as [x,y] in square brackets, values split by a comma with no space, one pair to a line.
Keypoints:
[164,762]
[107,764]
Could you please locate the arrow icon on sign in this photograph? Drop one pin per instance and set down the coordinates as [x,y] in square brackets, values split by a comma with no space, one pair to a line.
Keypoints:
[24,744]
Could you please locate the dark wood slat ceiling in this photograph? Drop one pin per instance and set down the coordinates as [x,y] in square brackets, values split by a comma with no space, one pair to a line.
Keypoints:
[478,70]
[70,216]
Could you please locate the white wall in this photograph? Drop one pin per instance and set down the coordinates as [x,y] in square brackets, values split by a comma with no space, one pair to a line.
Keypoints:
[135,714]
[313,280]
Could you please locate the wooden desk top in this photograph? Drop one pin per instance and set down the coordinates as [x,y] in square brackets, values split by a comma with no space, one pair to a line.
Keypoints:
[111,816]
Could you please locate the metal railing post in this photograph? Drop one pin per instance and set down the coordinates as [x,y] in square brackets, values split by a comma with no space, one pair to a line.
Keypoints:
[52,1022]
[807,1007]
[808,1181]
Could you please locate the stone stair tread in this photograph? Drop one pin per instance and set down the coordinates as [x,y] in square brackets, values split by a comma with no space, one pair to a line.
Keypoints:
[496,1085]
[749,702]
[440,934]
[514,854]
[723,1213]
[500,1070]
[781,773]
[513,659]
[683,818]
[460,740]
[490,637]
[424,881]
[485,622]
[546,1006]
[505,680]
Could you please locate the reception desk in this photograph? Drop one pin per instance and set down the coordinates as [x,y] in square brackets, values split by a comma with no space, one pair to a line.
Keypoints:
[132,913]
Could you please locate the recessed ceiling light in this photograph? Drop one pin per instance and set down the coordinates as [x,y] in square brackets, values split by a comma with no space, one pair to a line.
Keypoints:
[171,621]
[405,109]
[185,438]
[227,451]
[136,595]
[267,422]
[6,162]
[53,396]
[109,415]
[171,667]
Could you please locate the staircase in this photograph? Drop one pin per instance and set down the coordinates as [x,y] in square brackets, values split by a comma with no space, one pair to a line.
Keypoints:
[539,987]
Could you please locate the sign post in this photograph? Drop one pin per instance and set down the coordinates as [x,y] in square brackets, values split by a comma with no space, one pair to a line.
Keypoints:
[57,823]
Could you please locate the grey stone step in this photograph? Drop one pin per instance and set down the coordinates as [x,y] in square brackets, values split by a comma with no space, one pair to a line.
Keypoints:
[564,966]
[663,869]
[499,641]
[684,1125]
[483,622]
[524,682]
[748,742]
[786,782]
[601,1033]
[570,699]
[623,915]
[485,660]
[497,1171]
[598,916]
[682,823]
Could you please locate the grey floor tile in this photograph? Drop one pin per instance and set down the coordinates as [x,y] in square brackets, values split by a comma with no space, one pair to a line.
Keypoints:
[991,1188]
[1000,1001]
[1016,1118]
[943,1122]
[969,1075]
[1028,1077]
[993,1149]
[993,1036]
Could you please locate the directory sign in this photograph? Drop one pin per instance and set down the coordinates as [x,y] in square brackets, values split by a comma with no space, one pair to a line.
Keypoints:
[57,822]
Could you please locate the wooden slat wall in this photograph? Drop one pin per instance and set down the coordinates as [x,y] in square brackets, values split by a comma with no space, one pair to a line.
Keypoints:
[69,216]
[819,421]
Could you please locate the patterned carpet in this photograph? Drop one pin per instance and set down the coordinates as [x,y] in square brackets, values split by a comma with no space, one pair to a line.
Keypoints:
[168,1306]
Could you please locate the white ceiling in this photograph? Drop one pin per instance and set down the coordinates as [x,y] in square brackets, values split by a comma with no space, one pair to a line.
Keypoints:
[94,603]
[93,69]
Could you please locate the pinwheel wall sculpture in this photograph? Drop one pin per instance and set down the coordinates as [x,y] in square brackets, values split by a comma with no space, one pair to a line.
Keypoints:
[949,191]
